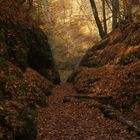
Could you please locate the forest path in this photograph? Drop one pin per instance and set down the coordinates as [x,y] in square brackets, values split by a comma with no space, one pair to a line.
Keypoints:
[75,121]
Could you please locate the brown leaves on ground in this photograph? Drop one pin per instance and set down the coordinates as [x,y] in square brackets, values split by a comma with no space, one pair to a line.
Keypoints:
[76,121]
[112,68]
[120,83]
[20,94]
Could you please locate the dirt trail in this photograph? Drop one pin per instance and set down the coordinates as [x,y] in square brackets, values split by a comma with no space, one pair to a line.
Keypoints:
[76,121]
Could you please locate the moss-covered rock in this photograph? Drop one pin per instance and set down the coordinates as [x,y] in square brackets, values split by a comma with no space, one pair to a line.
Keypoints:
[16,121]
[27,46]
[20,94]
[23,89]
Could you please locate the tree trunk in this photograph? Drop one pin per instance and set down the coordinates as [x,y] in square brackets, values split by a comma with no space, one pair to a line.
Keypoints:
[104,16]
[97,19]
[115,13]
[135,2]
[129,4]
[129,7]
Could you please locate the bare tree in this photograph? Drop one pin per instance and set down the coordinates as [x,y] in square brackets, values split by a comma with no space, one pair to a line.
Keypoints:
[115,12]
[97,19]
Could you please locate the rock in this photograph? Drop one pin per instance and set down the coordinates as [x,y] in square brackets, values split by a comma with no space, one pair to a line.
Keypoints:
[27,46]
[20,94]
[24,52]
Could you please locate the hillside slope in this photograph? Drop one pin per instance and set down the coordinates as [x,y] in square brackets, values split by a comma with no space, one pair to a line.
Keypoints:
[111,69]
[24,53]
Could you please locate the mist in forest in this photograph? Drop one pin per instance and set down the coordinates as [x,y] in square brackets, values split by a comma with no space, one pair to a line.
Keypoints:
[71,29]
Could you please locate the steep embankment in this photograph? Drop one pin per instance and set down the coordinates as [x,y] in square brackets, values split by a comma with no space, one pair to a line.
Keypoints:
[112,69]
[23,47]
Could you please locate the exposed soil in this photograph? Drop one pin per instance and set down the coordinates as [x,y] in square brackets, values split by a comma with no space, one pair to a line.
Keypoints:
[76,121]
